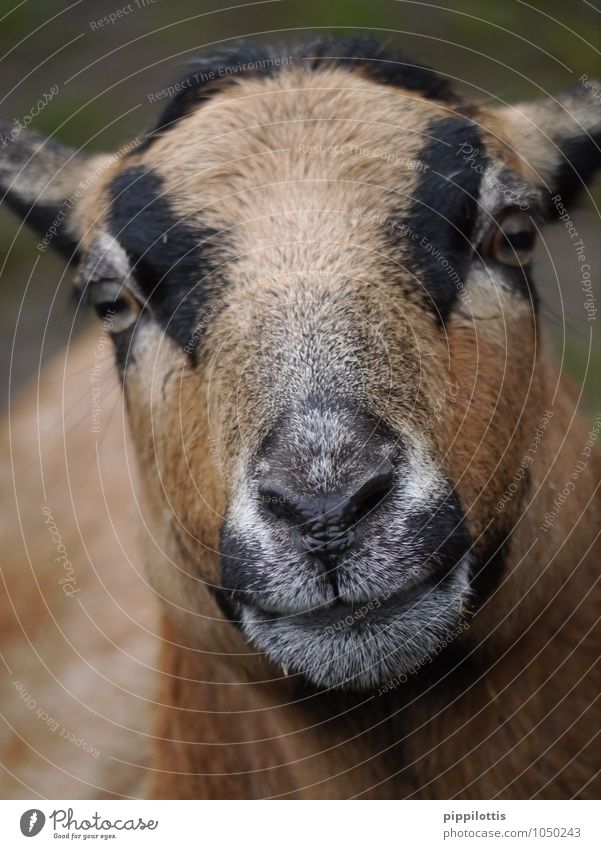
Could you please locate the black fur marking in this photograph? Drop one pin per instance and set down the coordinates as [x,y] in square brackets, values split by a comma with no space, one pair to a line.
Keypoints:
[440,535]
[124,354]
[580,160]
[440,220]
[238,567]
[225,604]
[488,568]
[379,64]
[523,284]
[173,260]
[208,75]
[225,67]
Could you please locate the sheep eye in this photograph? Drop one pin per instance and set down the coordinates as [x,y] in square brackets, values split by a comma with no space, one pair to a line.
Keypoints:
[114,304]
[511,240]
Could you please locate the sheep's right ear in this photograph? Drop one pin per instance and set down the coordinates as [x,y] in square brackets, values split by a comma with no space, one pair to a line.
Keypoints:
[558,140]
[42,182]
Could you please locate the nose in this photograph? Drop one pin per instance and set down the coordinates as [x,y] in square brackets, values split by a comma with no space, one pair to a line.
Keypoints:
[327,523]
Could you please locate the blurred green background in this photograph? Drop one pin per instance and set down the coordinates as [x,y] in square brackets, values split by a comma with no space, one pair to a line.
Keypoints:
[492,50]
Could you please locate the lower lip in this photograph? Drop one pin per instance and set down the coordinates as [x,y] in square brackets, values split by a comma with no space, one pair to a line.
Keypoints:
[340,611]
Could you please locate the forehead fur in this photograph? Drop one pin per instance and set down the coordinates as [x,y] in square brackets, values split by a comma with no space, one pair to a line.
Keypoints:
[330,123]
[342,169]
[315,154]
[280,154]
[232,64]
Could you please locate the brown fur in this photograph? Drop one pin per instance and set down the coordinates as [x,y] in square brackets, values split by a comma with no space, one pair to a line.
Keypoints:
[518,721]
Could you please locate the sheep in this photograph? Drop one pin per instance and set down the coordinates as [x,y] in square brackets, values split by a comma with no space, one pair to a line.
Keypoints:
[367,506]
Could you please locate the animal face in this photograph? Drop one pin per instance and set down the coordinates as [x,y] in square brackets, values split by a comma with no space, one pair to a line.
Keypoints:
[316,274]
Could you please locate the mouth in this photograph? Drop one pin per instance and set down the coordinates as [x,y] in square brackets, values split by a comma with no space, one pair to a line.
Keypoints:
[360,617]
[338,609]
[360,646]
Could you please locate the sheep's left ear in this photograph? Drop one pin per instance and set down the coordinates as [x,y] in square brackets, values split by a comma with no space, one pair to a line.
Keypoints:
[557,140]
[42,182]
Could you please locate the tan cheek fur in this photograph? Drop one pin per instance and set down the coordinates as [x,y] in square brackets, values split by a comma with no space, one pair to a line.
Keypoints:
[497,380]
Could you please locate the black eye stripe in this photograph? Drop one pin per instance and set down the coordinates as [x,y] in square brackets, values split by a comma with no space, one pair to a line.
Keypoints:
[174,260]
[442,213]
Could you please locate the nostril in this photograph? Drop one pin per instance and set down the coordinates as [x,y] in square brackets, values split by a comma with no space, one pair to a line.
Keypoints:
[324,519]
[372,493]
[280,501]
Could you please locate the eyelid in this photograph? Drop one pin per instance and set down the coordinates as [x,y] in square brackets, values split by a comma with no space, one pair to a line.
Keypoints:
[92,273]
[108,286]
[128,286]
[495,221]
[105,259]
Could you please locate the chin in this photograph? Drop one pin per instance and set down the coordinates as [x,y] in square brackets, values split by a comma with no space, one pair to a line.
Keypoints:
[363,646]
